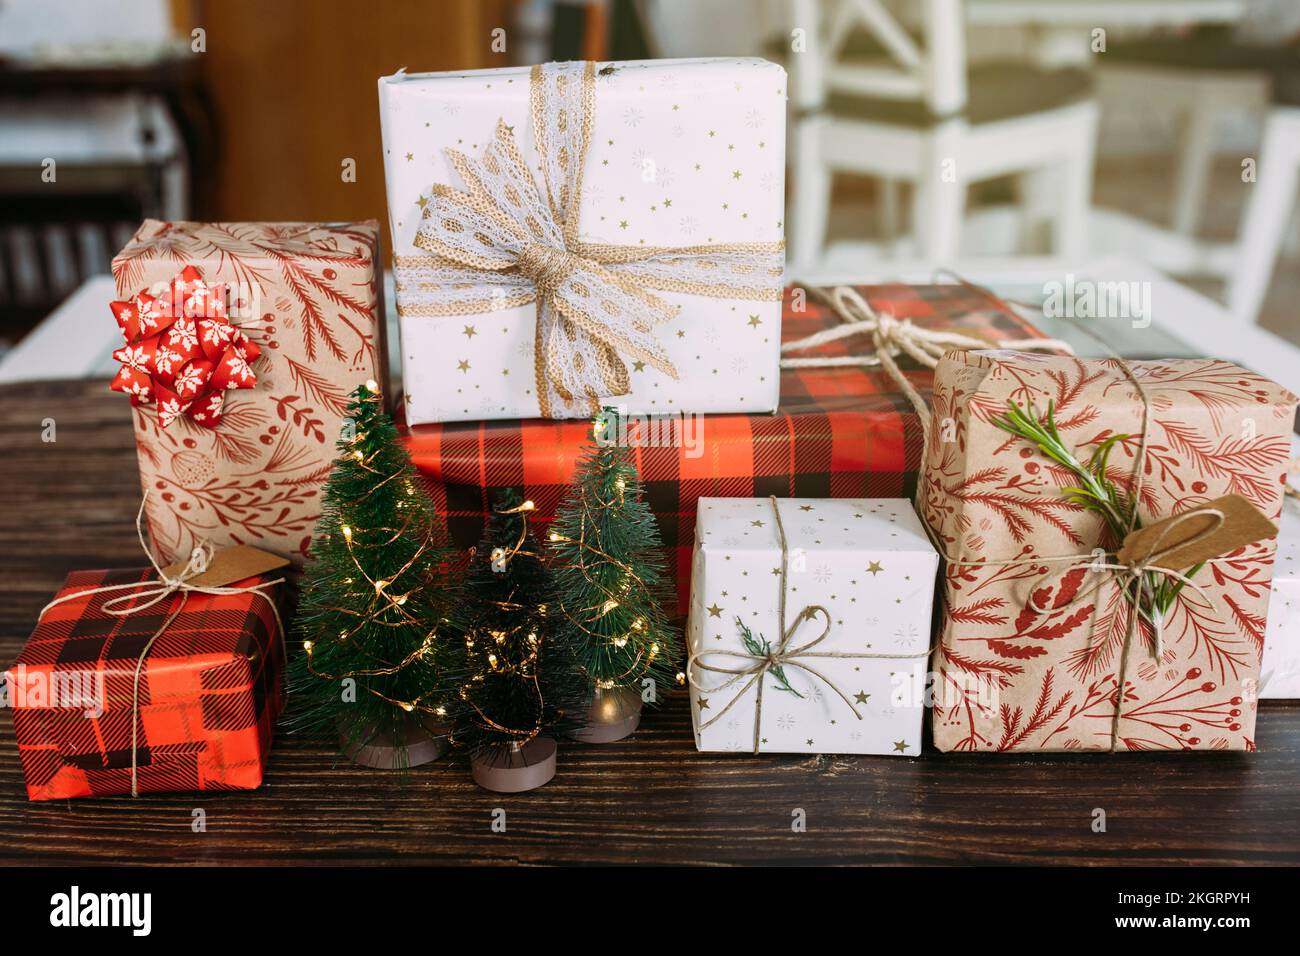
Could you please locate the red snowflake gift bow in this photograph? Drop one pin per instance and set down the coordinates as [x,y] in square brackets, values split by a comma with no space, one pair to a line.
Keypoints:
[181,352]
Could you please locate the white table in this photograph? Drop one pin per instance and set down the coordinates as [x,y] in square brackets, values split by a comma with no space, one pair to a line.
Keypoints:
[1184,323]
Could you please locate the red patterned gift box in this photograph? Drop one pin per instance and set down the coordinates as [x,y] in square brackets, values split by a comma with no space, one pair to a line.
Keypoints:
[210,690]
[241,344]
[1035,650]
[842,432]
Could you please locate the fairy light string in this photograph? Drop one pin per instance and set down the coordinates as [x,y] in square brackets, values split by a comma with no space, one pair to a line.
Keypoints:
[591,557]
[498,640]
[382,608]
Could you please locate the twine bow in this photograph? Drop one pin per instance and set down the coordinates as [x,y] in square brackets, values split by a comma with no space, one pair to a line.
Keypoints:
[1132,576]
[182,353]
[756,666]
[889,337]
[505,242]
[155,592]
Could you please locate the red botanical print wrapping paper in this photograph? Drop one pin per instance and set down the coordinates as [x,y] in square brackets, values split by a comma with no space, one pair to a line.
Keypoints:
[1011,679]
[315,294]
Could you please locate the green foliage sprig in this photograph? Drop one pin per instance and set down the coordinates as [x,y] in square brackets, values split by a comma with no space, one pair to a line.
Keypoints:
[1095,492]
[760,646]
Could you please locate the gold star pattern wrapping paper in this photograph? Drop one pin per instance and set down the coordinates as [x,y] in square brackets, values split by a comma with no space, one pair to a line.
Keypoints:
[1279,675]
[868,562]
[681,153]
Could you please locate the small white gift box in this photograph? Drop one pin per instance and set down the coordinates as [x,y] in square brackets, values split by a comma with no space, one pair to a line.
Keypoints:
[1279,675]
[579,234]
[854,579]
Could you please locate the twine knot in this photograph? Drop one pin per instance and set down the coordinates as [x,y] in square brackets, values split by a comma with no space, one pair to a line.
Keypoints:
[548,266]
[892,333]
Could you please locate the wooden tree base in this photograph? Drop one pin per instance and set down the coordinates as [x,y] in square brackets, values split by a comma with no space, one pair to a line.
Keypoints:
[516,769]
[419,743]
[613,715]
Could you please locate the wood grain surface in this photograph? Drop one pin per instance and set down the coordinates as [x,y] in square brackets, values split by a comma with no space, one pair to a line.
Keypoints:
[70,504]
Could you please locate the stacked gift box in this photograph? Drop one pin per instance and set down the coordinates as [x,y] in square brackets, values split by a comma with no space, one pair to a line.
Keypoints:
[240,344]
[839,432]
[578,237]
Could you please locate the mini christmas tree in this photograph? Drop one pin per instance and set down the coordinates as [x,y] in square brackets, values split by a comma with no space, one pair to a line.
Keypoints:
[519,682]
[610,588]
[375,613]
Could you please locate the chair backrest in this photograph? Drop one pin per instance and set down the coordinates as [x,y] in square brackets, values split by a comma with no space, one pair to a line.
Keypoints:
[932,72]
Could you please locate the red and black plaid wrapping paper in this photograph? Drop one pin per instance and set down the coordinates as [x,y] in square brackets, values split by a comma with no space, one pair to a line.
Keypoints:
[211,689]
[838,433]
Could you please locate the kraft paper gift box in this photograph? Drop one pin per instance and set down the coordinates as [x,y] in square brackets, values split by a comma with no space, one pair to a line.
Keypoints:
[1280,672]
[239,457]
[857,579]
[1049,676]
[582,234]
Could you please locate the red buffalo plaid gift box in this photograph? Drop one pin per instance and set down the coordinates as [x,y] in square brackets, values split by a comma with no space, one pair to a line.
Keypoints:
[210,689]
[845,432]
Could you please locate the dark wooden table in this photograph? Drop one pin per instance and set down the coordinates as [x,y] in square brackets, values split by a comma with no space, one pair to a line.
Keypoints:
[70,504]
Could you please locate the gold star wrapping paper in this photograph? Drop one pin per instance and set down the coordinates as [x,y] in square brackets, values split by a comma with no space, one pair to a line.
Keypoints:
[667,141]
[832,548]
[1279,675]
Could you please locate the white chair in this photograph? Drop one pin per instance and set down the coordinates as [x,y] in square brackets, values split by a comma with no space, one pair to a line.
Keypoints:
[1269,206]
[1199,81]
[914,112]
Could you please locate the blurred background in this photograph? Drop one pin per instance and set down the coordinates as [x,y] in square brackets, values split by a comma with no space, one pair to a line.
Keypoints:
[1011,140]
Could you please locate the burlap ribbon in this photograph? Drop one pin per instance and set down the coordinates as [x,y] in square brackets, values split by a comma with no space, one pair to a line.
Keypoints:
[145,594]
[1130,576]
[505,242]
[756,666]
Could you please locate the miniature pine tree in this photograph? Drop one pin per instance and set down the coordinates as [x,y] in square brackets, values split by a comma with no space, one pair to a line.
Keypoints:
[518,681]
[375,607]
[610,580]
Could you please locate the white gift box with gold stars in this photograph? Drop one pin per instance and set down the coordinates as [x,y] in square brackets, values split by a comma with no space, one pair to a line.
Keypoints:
[847,673]
[681,154]
[1279,674]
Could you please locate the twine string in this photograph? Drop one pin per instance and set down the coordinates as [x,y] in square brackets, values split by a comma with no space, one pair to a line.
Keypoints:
[755,667]
[157,591]
[890,336]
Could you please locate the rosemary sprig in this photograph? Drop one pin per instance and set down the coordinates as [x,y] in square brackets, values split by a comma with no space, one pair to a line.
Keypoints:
[1095,492]
[759,646]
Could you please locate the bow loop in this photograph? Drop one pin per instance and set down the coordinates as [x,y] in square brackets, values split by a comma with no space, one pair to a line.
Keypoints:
[807,614]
